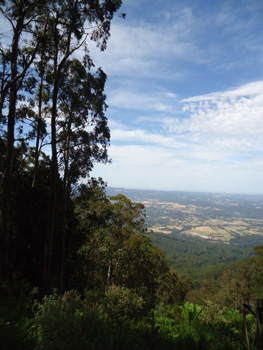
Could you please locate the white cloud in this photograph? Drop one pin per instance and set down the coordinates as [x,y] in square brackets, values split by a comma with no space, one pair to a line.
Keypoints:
[222,121]
[231,119]
[162,45]
[247,90]
[133,99]
[144,137]
[115,124]
[146,50]
[183,149]
[145,156]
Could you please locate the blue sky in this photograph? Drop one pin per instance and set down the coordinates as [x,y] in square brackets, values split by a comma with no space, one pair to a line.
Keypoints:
[185,96]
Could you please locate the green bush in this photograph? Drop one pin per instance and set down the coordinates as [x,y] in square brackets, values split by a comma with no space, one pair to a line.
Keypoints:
[17,329]
[67,322]
[191,326]
[121,304]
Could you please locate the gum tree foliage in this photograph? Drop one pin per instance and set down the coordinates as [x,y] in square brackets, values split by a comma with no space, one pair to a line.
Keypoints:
[84,134]
[256,270]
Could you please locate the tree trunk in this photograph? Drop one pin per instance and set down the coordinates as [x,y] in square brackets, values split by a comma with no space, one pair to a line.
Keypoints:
[53,176]
[66,199]
[3,89]
[7,182]
[36,160]
[109,274]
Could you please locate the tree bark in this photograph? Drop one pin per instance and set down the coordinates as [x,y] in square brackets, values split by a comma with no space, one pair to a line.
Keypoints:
[66,200]
[36,160]
[53,173]
[7,182]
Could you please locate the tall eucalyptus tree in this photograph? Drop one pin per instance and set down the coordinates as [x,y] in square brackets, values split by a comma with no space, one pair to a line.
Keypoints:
[84,134]
[72,23]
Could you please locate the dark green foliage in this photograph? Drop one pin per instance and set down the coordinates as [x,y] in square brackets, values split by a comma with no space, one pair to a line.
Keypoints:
[197,258]
[242,281]
[69,322]
[256,270]
[208,327]
[17,326]
[120,304]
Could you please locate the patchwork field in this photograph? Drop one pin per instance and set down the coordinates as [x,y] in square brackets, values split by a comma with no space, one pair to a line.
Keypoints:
[214,217]
[198,221]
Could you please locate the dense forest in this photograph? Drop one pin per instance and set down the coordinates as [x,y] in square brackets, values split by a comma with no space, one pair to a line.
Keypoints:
[78,269]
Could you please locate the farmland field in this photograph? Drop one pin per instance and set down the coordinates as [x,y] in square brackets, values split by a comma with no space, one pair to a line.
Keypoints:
[221,218]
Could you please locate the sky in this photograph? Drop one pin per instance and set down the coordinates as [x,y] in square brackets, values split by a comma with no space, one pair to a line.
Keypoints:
[185,96]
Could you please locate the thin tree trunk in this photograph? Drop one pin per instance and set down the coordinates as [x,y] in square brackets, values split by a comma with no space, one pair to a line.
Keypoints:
[36,161]
[7,182]
[109,273]
[52,199]
[3,91]
[54,164]
[66,199]
[53,178]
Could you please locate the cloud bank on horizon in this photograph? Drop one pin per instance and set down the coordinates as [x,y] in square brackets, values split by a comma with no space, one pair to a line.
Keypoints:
[185,96]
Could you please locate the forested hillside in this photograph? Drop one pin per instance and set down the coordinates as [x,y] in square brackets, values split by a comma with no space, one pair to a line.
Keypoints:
[78,268]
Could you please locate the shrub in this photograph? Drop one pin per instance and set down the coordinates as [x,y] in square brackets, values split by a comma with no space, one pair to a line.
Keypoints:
[121,303]
[67,322]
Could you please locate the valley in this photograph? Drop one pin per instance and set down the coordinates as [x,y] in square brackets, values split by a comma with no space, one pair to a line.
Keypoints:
[224,218]
[201,234]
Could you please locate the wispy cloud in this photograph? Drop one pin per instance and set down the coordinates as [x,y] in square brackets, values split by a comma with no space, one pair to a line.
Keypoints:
[145,137]
[183,35]
[221,127]
[247,90]
[134,99]
[232,118]
[140,50]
